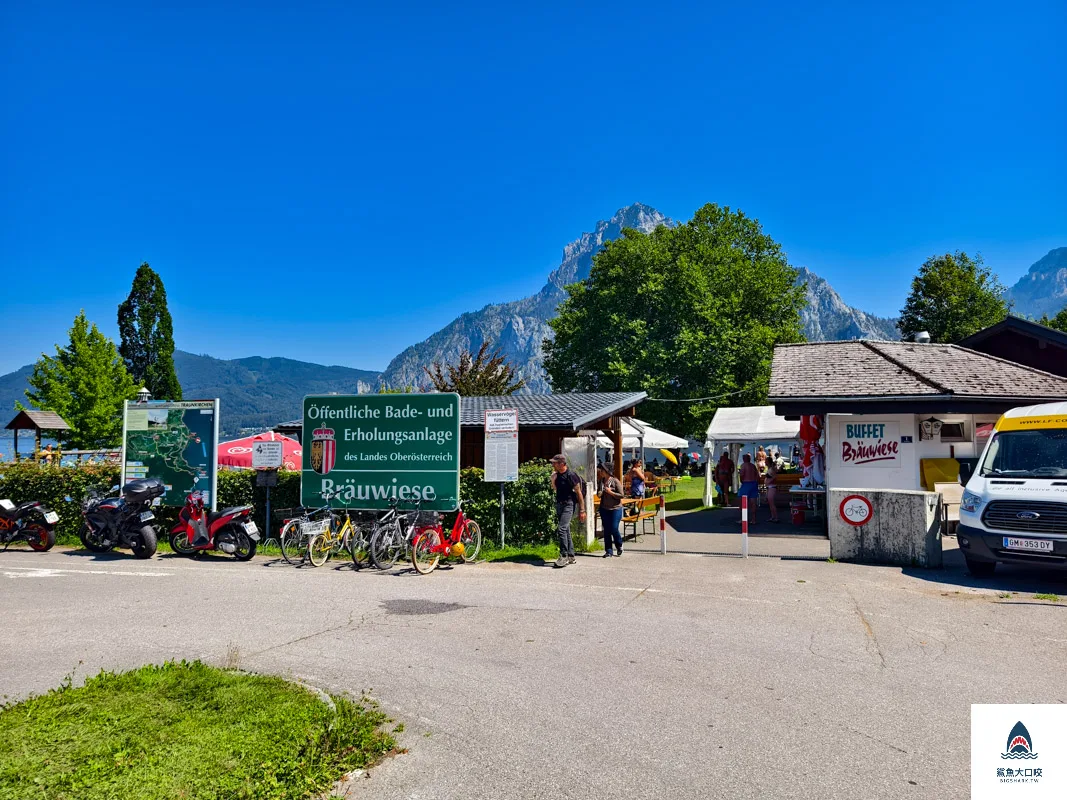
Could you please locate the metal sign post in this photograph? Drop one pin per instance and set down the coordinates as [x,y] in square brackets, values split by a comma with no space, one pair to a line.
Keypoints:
[501,452]
[267,456]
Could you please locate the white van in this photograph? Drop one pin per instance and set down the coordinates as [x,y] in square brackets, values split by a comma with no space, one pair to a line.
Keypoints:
[1014,508]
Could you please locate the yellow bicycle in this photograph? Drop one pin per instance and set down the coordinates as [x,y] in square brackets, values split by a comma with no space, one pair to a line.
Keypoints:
[340,533]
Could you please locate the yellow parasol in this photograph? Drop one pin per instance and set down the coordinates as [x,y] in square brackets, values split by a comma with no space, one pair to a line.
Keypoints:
[667,454]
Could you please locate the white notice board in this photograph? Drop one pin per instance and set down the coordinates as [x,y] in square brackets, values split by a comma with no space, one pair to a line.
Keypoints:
[501,445]
[267,455]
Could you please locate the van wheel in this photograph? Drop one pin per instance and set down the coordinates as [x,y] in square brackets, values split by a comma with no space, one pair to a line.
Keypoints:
[981,569]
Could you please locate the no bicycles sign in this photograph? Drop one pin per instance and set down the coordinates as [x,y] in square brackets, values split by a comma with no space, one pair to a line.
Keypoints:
[856,510]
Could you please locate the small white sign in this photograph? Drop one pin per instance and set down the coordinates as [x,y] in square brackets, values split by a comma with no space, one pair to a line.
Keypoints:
[501,445]
[267,455]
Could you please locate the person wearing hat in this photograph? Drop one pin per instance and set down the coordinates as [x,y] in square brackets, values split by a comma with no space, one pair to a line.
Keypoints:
[568,488]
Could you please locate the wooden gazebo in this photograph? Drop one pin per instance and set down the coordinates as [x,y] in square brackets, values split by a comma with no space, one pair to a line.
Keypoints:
[37,421]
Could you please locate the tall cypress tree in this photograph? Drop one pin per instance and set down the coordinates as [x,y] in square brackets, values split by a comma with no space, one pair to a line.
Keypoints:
[147,336]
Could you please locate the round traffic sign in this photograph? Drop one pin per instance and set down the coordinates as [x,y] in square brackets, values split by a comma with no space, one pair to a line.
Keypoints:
[856,510]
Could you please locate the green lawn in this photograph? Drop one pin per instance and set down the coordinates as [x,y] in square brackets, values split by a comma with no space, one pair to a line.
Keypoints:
[183,731]
[687,496]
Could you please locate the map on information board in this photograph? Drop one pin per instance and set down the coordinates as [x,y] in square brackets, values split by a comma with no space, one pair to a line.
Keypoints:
[175,442]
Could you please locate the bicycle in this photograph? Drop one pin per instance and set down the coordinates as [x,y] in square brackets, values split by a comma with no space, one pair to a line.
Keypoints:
[429,544]
[296,533]
[392,534]
[336,537]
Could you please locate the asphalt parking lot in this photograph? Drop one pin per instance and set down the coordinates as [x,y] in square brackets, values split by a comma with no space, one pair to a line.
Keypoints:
[646,676]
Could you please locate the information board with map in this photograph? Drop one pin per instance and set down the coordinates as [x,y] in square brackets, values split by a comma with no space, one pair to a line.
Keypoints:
[175,442]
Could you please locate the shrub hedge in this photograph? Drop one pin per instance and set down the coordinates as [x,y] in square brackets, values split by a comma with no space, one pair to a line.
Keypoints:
[529,504]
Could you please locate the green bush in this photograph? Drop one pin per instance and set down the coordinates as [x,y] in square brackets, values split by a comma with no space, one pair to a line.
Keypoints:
[529,504]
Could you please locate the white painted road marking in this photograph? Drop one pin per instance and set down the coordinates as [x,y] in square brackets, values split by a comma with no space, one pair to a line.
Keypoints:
[45,572]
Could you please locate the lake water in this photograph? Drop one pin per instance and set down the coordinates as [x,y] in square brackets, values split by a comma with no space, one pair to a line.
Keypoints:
[26,444]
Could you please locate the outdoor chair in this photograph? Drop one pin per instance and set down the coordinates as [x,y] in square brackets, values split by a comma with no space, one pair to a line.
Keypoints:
[951,494]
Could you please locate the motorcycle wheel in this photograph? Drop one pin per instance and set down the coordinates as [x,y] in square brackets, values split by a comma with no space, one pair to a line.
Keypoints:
[91,540]
[179,543]
[143,543]
[246,546]
[41,536]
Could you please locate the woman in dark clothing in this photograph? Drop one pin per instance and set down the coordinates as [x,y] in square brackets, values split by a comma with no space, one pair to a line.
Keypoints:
[610,509]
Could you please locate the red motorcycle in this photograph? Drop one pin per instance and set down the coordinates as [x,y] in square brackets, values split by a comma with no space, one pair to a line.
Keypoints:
[199,529]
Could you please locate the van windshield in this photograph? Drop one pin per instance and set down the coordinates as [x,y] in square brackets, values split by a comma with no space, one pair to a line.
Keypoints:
[1038,453]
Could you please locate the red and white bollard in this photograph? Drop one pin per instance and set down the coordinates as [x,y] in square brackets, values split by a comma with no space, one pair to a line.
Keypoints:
[662,525]
[744,526]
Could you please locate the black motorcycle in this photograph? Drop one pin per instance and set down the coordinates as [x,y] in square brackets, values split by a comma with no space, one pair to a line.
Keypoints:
[28,522]
[124,521]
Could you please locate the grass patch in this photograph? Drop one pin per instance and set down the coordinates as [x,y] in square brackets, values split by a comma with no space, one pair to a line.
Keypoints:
[1052,598]
[687,496]
[183,730]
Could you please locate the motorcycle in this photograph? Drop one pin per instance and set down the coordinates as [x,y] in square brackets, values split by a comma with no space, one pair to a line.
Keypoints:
[123,521]
[28,522]
[199,530]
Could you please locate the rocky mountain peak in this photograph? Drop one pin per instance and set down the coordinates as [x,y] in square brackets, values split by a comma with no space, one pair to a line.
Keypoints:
[1043,289]
[578,255]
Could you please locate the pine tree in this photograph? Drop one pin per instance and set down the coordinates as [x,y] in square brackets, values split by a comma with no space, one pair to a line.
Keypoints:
[147,336]
[86,383]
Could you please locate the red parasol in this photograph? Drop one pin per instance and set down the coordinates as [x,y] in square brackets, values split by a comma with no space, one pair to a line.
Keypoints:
[238,453]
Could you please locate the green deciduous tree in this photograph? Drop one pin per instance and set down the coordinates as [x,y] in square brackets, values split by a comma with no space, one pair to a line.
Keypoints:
[476,375]
[86,383]
[1059,322]
[683,312]
[952,297]
[147,336]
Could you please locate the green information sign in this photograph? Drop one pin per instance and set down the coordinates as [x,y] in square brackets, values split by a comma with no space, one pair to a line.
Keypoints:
[175,442]
[377,447]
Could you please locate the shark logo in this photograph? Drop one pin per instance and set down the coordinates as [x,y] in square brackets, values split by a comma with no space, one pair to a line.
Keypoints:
[1020,745]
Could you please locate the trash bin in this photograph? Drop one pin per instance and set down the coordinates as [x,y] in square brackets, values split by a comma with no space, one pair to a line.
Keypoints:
[796,510]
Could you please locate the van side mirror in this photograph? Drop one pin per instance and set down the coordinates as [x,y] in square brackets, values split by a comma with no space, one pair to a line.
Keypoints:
[966,471]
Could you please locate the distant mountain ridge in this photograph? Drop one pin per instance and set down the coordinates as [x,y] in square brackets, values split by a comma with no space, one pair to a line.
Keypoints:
[253,392]
[1043,289]
[828,318]
[520,327]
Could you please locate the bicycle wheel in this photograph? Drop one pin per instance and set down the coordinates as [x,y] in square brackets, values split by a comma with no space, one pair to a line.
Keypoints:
[294,549]
[320,548]
[472,541]
[386,546]
[425,551]
[359,547]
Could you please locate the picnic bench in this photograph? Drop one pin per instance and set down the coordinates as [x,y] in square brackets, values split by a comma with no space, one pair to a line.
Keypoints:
[639,511]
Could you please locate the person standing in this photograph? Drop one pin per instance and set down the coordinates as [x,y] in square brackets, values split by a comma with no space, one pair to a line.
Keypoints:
[761,459]
[568,488]
[610,509]
[724,476]
[770,480]
[636,477]
[749,482]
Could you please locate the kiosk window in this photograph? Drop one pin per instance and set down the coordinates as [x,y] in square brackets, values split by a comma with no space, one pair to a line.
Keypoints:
[953,432]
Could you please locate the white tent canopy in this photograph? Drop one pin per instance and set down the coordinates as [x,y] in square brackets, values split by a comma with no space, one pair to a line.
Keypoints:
[636,433]
[753,424]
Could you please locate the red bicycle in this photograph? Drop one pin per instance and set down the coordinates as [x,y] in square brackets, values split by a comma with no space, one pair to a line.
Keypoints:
[430,543]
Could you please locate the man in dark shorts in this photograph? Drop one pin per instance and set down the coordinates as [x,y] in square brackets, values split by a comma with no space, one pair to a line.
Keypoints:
[749,484]
[568,488]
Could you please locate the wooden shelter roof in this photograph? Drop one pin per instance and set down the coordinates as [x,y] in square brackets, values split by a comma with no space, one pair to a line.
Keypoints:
[38,421]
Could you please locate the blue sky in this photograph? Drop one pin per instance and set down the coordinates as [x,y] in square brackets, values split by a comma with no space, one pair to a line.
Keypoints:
[335,181]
